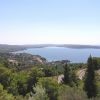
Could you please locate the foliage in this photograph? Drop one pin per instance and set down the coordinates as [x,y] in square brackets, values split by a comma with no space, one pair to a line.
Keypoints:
[40,82]
[98,84]
[4,95]
[90,84]
[5,74]
[96,62]
[69,93]
[69,76]
[49,71]
[40,93]
[75,66]
[50,86]
[18,83]
[34,75]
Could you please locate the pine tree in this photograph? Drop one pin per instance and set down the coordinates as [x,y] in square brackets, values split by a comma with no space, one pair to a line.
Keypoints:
[89,84]
[67,77]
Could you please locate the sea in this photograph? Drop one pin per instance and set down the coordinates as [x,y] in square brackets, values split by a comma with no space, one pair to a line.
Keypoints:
[63,53]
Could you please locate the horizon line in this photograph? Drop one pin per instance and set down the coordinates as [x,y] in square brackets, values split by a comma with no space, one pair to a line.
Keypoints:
[49,44]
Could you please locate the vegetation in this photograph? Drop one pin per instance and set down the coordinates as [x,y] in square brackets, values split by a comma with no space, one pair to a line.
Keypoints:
[71,93]
[67,75]
[40,93]
[90,84]
[40,81]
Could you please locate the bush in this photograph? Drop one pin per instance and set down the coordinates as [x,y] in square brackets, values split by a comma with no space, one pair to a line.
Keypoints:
[4,95]
[50,86]
[69,93]
[40,94]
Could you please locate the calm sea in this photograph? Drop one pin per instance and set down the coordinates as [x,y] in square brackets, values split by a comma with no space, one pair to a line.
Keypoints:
[62,53]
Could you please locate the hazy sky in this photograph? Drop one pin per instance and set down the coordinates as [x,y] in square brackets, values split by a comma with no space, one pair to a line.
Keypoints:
[50,21]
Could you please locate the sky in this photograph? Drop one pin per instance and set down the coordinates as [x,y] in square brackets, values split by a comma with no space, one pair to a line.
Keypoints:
[50,22]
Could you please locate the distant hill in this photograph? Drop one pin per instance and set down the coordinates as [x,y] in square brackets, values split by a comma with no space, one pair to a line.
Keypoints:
[10,48]
[82,46]
[4,48]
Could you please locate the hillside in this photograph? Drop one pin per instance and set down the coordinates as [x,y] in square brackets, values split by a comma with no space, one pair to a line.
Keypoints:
[12,48]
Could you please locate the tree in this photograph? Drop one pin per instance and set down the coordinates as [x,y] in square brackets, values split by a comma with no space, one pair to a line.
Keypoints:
[18,83]
[48,72]
[95,64]
[40,93]
[67,76]
[51,87]
[35,74]
[5,74]
[89,84]
[4,95]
